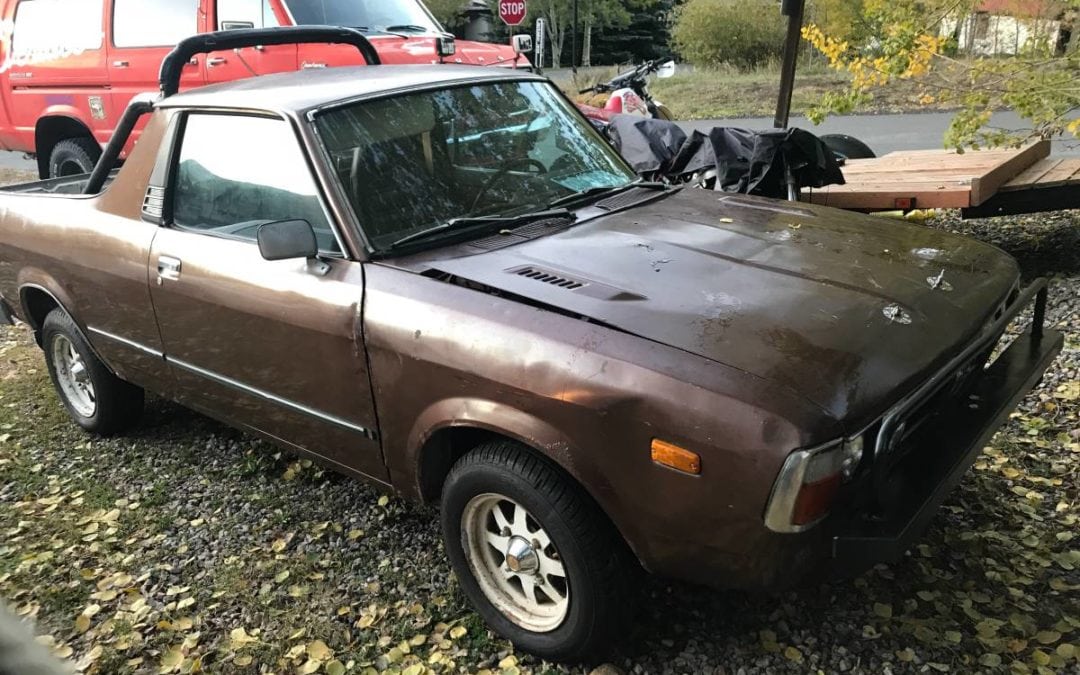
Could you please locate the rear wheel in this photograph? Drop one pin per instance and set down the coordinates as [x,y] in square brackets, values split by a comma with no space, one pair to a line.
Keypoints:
[73,157]
[536,557]
[96,399]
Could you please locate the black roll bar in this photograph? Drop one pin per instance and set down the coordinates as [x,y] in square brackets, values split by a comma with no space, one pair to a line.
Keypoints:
[173,65]
[138,107]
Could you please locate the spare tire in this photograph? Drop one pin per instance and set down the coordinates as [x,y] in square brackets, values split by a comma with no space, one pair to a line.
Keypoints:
[73,157]
[847,147]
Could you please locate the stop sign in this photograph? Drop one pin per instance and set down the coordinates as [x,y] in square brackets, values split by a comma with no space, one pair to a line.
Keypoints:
[512,12]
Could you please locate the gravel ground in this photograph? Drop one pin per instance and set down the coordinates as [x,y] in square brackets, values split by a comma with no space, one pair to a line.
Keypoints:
[187,546]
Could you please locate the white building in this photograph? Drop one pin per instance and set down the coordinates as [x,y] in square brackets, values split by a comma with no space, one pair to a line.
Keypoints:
[1009,27]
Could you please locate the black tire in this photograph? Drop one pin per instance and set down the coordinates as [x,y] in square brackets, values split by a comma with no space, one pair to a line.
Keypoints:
[117,404]
[73,156]
[847,147]
[599,566]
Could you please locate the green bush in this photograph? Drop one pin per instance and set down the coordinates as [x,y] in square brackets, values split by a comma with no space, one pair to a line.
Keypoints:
[742,33]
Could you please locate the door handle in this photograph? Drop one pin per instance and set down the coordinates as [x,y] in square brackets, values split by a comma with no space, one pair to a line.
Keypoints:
[216,61]
[312,65]
[121,64]
[168,268]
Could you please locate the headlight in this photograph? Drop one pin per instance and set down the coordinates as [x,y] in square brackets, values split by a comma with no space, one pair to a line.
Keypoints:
[808,482]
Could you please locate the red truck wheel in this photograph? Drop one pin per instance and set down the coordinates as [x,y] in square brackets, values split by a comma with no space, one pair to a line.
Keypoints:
[73,157]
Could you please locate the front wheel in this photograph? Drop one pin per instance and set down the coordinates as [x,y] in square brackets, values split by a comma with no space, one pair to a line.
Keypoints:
[536,557]
[97,400]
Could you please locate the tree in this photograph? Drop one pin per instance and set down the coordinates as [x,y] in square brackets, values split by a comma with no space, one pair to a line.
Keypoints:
[744,33]
[905,40]
[448,12]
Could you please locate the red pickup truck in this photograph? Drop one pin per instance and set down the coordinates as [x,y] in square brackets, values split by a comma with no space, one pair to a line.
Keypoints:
[64,84]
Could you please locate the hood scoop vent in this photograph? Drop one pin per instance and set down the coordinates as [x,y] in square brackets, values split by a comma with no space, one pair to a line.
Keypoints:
[546,277]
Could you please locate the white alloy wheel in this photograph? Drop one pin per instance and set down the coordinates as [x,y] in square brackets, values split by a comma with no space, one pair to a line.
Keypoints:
[73,376]
[515,562]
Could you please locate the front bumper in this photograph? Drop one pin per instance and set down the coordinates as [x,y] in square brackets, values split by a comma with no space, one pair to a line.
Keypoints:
[900,494]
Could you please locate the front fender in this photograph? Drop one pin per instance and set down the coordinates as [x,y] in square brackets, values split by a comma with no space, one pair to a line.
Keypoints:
[518,425]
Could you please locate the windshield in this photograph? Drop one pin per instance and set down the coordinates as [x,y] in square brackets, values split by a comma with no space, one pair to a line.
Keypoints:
[367,14]
[416,161]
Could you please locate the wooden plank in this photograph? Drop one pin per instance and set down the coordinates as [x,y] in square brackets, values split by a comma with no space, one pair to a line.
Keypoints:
[1032,174]
[885,199]
[1045,174]
[984,187]
[1061,174]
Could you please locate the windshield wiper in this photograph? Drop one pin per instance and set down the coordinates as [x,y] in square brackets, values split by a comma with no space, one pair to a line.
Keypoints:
[605,190]
[406,28]
[474,221]
[387,31]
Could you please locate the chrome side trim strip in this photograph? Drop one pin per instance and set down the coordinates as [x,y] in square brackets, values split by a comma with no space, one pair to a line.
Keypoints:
[126,342]
[259,393]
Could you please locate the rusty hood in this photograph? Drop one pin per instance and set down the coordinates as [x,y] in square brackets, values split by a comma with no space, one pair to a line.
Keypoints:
[848,310]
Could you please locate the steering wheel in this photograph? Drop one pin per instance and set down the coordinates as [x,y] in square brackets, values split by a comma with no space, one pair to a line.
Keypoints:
[504,169]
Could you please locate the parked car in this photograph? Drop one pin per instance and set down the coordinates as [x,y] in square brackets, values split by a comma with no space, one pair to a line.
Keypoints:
[444,281]
[65,83]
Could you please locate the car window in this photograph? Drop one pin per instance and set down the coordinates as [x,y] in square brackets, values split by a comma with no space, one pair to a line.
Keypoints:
[411,162]
[153,23]
[257,13]
[362,14]
[38,36]
[237,172]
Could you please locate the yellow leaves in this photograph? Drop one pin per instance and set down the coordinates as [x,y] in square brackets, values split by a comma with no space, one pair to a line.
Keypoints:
[239,638]
[82,622]
[334,667]
[1073,127]
[458,632]
[907,655]
[883,610]
[793,654]
[171,660]
[355,534]
[1047,637]
[278,546]
[281,576]
[384,500]
[1069,391]
[318,651]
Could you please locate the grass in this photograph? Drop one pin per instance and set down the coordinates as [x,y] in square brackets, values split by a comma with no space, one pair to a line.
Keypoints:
[719,93]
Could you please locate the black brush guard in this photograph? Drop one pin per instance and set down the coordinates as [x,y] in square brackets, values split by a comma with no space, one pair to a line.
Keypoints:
[172,68]
[920,469]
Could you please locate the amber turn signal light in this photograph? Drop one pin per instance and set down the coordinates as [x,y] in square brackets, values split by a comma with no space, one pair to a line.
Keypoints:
[674,457]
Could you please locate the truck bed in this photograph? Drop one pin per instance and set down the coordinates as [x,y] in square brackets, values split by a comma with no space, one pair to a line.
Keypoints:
[68,185]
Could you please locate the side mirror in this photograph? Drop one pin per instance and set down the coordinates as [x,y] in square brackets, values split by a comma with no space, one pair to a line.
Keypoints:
[236,25]
[522,44]
[287,240]
[445,46]
[666,70]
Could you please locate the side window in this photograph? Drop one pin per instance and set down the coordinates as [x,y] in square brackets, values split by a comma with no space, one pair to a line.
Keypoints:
[237,172]
[38,36]
[245,14]
[154,23]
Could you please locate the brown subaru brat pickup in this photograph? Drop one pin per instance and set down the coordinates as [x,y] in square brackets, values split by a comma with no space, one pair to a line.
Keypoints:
[444,281]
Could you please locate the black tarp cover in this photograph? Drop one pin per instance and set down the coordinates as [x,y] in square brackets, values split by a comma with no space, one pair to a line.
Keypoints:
[750,162]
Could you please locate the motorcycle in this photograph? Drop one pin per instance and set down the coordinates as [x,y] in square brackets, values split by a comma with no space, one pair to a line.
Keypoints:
[630,93]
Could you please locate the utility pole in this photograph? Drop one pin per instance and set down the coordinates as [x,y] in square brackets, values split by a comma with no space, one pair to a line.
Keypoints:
[573,45]
[793,10]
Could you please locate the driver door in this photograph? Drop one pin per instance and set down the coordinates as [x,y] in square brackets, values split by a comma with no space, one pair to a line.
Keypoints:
[272,346]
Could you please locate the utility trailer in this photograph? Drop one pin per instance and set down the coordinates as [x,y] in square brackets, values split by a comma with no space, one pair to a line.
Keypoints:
[981,183]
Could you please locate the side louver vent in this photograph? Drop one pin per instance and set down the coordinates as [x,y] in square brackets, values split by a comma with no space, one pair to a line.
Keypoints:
[549,278]
[153,206]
